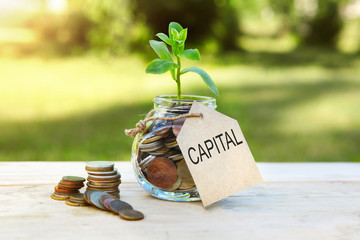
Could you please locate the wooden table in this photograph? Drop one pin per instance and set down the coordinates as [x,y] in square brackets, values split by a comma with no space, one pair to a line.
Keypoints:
[296,201]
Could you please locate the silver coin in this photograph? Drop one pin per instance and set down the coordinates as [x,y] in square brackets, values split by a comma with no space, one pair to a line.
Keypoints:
[171,144]
[150,147]
[114,172]
[176,157]
[95,199]
[160,151]
[116,176]
[145,162]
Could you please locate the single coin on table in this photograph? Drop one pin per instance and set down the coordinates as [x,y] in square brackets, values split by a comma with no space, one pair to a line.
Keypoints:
[131,214]
[95,199]
[117,205]
[161,172]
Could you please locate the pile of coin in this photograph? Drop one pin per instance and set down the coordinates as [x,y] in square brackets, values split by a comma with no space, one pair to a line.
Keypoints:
[160,160]
[77,200]
[68,186]
[102,176]
[68,190]
[107,202]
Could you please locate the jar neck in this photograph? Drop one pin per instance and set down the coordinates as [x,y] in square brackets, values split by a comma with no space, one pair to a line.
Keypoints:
[169,104]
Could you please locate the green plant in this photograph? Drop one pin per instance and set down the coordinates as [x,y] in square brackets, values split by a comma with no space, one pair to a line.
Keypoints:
[176,39]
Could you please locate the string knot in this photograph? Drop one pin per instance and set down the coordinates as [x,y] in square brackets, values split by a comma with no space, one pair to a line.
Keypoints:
[141,125]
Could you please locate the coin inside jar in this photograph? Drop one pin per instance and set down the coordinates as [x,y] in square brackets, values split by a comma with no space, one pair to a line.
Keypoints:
[150,139]
[184,174]
[161,172]
[164,128]
[152,146]
[175,186]
[177,125]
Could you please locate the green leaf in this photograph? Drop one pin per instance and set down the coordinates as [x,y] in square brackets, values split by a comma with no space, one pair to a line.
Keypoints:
[161,50]
[179,43]
[183,34]
[176,26]
[163,37]
[190,54]
[175,34]
[206,78]
[174,30]
[160,66]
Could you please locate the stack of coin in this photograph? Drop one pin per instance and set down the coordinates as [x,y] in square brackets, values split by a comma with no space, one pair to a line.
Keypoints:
[102,176]
[107,202]
[77,200]
[160,160]
[68,186]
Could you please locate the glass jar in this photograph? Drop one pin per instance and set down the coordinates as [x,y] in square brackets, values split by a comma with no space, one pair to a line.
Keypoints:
[159,165]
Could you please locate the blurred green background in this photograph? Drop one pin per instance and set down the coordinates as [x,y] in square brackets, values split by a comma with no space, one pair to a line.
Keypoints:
[72,74]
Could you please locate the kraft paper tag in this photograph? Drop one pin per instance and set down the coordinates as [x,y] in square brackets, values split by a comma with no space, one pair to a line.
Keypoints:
[217,155]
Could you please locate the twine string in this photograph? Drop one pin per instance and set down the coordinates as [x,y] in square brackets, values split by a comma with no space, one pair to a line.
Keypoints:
[141,125]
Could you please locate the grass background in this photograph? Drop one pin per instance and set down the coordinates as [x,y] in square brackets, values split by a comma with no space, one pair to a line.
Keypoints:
[298,106]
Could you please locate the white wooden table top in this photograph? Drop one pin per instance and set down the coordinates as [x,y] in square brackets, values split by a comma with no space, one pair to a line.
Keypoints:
[296,201]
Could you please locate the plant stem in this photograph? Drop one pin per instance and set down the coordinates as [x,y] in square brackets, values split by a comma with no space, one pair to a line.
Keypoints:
[178,79]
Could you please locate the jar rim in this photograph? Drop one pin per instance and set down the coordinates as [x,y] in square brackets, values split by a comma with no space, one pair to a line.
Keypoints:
[183,99]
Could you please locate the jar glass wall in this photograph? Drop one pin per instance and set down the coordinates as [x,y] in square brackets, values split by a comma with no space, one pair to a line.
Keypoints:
[159,165]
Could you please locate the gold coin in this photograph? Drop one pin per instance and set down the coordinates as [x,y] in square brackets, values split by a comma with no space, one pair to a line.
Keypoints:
[185,176]
[73,179]
[76,201]
[73,204]
[103,189]
[131,214]
[59,198]
[108,184]
[151,139]
[77,197]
